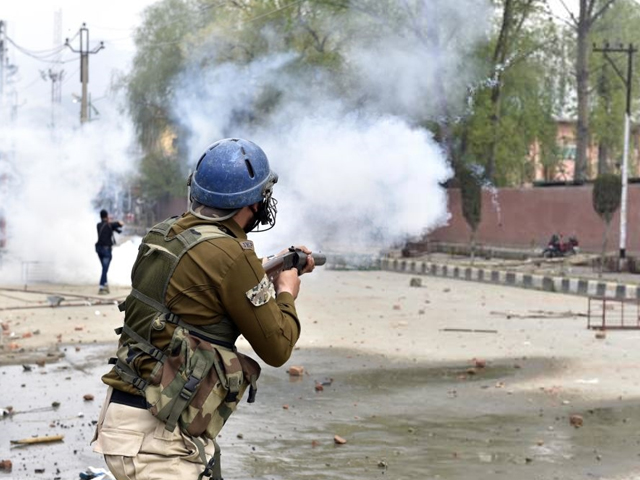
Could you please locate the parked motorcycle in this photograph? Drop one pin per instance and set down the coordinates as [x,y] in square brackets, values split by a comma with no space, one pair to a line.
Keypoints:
[558,247]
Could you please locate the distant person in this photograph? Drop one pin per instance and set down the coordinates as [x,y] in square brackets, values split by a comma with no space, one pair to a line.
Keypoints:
[106,240]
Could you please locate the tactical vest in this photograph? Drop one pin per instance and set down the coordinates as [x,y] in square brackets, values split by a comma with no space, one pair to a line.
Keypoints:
[199,377]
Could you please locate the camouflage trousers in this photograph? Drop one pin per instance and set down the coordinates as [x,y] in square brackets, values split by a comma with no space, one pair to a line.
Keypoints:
[136,445]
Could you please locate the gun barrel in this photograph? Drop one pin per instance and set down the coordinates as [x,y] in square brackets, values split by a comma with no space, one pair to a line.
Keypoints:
[319,258]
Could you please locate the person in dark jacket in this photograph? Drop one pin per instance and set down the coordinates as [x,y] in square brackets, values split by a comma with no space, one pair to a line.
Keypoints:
[104,244]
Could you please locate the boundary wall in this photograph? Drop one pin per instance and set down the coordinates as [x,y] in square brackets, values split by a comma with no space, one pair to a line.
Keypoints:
[527,217]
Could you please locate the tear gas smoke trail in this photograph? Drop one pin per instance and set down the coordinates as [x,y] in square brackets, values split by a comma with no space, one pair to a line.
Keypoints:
[49,194]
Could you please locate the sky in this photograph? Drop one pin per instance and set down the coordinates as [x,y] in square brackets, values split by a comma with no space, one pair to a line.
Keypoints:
[112,22]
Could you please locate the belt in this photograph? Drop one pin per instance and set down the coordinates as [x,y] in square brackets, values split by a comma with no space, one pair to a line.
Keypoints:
[129,399]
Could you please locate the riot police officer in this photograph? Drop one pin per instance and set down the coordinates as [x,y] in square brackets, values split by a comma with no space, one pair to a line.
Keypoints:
[197,284]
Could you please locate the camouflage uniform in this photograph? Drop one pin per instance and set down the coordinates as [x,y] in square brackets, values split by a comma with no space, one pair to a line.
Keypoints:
[216,280]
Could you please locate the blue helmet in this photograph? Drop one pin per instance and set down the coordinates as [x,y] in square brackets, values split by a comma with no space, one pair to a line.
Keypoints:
[232,173]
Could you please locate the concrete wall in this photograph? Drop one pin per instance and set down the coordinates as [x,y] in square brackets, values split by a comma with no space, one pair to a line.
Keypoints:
[526,217]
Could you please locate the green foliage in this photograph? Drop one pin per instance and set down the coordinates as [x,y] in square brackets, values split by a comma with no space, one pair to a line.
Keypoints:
[619,27]
[471,196]
[517,110]
[527,74]
[607,191]
[161,176]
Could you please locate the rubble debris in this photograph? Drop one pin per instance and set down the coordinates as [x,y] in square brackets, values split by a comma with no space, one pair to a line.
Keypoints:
[338,440]
[27,368]
[88,397]
[468,330]
[319,387]
[601,335]
[576,421]
[41,363]
[33,440]
[382,464]
[479,363]
[415,282]
[54,300]
[93,473]
[6,465]
[295,371]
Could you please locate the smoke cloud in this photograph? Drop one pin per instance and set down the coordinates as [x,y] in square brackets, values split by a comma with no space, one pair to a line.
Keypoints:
[357,168]
[52,180]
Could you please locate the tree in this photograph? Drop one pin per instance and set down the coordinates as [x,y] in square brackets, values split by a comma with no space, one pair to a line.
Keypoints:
[606,195]
[589,13]
[608,103]
[471,199]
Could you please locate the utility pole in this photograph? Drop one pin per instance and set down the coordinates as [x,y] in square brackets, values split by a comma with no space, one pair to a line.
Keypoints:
[629,50]
[84,68]
[56,89]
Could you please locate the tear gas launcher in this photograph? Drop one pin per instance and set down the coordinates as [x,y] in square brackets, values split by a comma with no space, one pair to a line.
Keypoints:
[294,258]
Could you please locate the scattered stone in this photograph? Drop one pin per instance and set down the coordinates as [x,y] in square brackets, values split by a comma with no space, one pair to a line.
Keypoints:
[240,436]
[338,440]
[27,335]
[285,407]
[39,470]
[78,328]
[415,282]
[576,420]
[601,334]
[5,327]
[88,397]
[319,387]
[295,371]
[41,363]
[480,363]
[397,307]
[27,368]
[6,465]
[55,404]
[314,443]
[382,464]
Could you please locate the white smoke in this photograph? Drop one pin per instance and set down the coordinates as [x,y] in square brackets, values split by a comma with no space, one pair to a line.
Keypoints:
[48,203]
[350,177]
